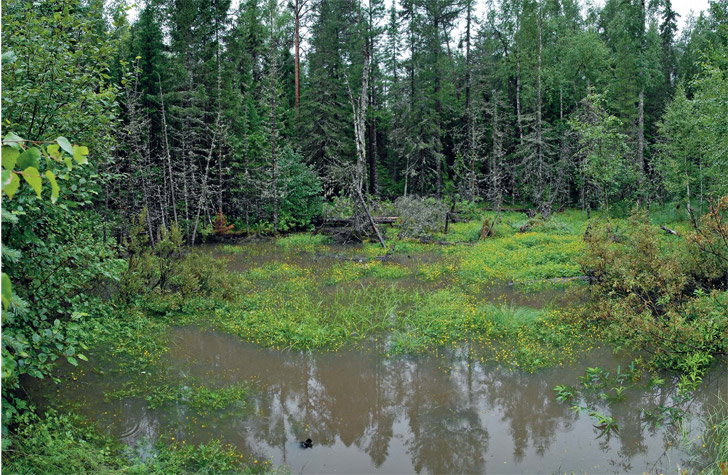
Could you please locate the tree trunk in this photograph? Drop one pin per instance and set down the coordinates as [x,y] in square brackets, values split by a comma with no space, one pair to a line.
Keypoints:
[539,118]
[372,156]
[168,155]
[641,134]
[297,59]
[273,150]
[470,142]
[518,98]
[372,120]
[495,155]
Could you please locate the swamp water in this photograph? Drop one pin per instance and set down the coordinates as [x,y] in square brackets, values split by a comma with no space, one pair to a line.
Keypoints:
[366,413]
[369,412]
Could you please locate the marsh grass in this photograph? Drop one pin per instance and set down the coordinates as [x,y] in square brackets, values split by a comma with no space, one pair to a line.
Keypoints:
[510,316]
[69,443]
[712,447]
[304,242]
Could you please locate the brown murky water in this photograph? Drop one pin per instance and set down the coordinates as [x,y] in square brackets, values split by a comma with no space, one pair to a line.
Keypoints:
[366,413]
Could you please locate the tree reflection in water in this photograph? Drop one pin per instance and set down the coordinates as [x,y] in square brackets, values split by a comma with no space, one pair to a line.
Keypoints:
[364,413]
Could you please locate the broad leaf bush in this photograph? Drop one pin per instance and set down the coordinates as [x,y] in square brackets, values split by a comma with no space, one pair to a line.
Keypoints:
[660,293]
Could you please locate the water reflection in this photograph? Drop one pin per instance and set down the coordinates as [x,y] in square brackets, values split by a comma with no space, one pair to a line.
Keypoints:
[445,414]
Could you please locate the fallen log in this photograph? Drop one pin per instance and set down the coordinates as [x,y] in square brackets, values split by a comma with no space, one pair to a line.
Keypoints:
[668,230]
[347,221]
[510,210]
[430,240]
[371,220]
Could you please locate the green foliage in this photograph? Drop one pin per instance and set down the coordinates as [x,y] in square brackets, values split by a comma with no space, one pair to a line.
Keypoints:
[303,242]
[150,267]
[201,274]
[212,457]
[59,443]
[708,246]
[510,316]
[56,273]
[200,397]
[601,156]
[300,192]
[21,158]
[652,295]
[55,75]
[140,266]
[58,80]
[341,207]
[67,443]
[713,447]
[565,393]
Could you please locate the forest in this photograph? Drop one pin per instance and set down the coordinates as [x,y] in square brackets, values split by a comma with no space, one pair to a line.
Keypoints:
[528,191]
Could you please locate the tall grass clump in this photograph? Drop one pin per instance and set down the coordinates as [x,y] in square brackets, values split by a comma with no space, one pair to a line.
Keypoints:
[306,242]
[714,448]
[510,316]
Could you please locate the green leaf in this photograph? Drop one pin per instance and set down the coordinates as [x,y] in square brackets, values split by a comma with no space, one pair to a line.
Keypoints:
[13,140]
[69,162]
[12,186]
[65,145]
[29,158]
[83,357]
[54,150]
[79,154]
[7,290]
[8,57]
[72,360]
[54,186]
[32,176]
[10,156]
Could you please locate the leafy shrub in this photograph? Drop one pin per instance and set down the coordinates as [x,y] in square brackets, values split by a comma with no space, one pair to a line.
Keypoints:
[419,217]
[709,245]
[201,274]
[150,267]
[300,189]
[59,269]
[654,298]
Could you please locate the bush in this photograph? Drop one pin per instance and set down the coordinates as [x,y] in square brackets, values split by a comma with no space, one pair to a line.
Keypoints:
[654,298]
[708,246]
[419,217]
[301,191]
[147,267]
[200,274]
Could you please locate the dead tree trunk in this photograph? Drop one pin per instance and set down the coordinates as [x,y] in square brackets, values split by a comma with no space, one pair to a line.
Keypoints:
[359,109]
[168,155]
[539,118]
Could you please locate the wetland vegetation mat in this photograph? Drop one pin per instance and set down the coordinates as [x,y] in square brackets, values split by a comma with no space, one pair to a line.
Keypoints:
[436,359]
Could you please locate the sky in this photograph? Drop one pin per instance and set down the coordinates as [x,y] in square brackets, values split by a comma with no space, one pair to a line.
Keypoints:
[682,7]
